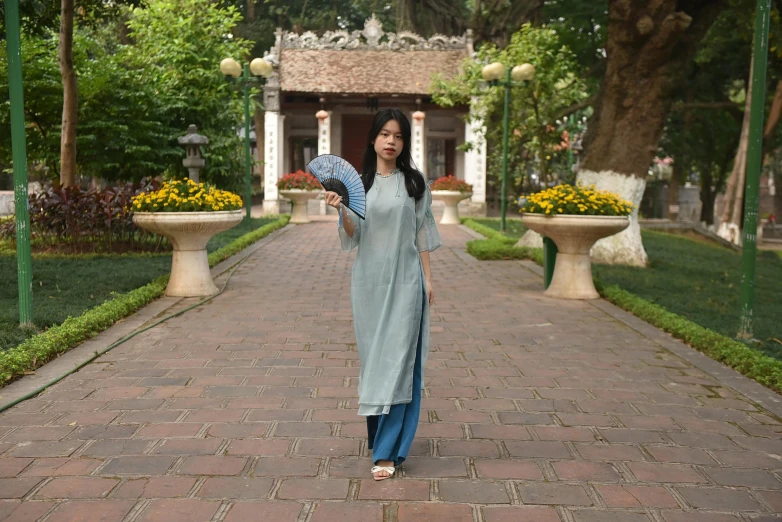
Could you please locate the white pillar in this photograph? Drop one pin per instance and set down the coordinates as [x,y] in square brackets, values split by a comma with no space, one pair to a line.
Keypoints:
[419,137]
[324,147]
[273,130]
[475,160]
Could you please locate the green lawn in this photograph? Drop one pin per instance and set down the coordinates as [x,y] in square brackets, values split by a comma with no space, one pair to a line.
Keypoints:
[701,282]
[514,226]
[67,286]
[698,281]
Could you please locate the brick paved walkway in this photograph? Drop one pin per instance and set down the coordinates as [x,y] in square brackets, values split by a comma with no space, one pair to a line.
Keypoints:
[244,409]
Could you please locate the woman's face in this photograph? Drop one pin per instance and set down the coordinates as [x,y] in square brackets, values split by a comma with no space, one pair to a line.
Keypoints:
[388,143]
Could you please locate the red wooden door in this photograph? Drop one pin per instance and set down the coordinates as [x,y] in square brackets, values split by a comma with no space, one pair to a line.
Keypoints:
[354,137]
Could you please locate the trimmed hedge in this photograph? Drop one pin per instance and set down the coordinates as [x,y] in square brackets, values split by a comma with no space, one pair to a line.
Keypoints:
[747,361]
[498,246]
[751,363]
[39,349]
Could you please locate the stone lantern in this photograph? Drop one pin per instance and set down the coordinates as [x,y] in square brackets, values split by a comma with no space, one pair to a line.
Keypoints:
[192,142]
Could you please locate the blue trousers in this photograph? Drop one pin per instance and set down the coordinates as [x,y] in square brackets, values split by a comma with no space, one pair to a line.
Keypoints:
[391,435]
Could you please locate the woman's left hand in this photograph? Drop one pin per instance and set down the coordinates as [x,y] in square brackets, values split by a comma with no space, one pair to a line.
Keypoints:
[430,292]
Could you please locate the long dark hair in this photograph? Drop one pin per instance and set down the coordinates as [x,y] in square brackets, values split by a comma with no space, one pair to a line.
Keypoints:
[414,180]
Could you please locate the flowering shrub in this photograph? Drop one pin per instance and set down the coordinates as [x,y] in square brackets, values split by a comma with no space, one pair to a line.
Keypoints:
[451,183]
[186,196]
[576,200]
[298,180]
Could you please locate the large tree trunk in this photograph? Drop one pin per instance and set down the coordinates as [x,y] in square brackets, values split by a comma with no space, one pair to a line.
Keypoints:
[729,226]
[70,97]
[648,47]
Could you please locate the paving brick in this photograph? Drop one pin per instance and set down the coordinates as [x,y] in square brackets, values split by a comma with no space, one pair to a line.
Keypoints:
[16,511]
[752,478]
[719,499]
[272,511]
[586,419]
[314,489]
[36,434]
[17,487]
[155,487]
[236,488]
[507,469]
[157,465]
[201,416]
[609,452]
[473,492]
[412,512]
[626,496]
[77,487]
[691,516]
[327,447]
[634,436]
[774,499]
[169,430]
[50,467]
[602,515]
[472,448]
[554,494]
[188,447]
[538,450]
[703,440]
[263,447]
[287,467]
[110,448]
[490,431]
[171,510]
[350,512]
[237,430]
[586,471]
[212,465]
[396,489]
[11,467]
[104,510]
[520,513]
[680,454]
[564,434]
[302,429]
[668,473]
[428,467]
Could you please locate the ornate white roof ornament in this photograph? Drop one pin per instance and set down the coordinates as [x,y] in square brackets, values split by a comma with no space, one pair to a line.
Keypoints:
[372,37]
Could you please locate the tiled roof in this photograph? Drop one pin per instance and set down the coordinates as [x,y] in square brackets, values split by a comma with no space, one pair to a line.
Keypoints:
[321,71]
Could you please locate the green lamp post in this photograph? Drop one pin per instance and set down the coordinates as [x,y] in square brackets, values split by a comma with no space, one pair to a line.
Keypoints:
[234,71]
[754,166]
[19,155]
[497,75]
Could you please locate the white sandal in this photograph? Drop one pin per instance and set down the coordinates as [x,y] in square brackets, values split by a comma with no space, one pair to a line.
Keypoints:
[388,469]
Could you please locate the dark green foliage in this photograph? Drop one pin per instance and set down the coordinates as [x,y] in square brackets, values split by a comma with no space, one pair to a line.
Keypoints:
[499,246]
[700,282]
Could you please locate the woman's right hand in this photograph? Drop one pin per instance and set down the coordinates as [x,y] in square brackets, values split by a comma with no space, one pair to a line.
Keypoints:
[333,199]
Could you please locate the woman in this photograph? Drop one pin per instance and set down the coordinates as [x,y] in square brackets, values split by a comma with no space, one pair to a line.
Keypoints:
[391,288]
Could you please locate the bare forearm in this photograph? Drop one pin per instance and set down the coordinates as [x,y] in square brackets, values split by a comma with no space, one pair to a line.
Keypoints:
[347,222]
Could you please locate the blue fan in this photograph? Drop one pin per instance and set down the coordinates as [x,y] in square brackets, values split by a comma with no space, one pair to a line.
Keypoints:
[337,175]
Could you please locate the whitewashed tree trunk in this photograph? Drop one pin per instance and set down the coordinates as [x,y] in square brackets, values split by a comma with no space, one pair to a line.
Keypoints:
[624,248]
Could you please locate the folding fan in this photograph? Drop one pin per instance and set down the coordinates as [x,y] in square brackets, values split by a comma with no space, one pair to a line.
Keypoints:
[337,175]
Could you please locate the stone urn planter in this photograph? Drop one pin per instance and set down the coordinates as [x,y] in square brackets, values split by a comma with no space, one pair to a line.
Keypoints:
[299,199]
[574,237]
[189,233]
[451,198]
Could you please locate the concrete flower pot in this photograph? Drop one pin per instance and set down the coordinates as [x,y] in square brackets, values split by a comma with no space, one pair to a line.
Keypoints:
[299,198]
[574,237]
[189,233]
[451,198]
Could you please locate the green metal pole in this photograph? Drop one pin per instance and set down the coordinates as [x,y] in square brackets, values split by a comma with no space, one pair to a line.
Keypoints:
[505,125]
[247,158]
[19,155]
[754,160]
